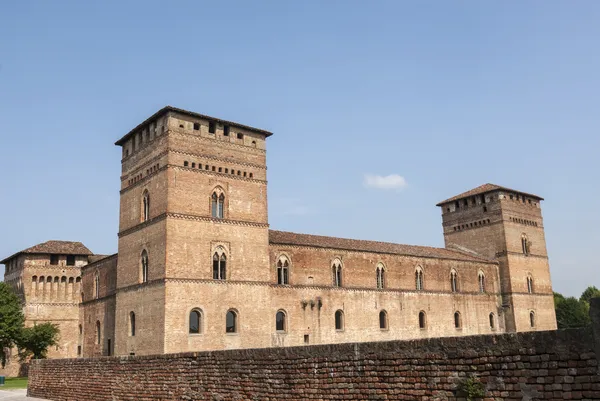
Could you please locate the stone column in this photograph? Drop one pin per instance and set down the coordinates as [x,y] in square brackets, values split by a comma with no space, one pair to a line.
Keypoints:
[595,316]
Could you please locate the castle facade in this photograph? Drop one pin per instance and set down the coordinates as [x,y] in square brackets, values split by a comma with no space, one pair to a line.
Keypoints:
[198,267]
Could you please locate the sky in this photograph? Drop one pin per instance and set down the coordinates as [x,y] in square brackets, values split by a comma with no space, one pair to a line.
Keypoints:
[379,110]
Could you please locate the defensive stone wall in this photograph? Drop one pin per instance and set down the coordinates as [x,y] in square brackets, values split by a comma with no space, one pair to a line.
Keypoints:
[550,365]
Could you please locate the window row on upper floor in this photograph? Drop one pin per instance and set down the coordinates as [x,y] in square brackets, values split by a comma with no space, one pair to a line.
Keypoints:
[283,266]
[217,169]
[149,171]
[217,204]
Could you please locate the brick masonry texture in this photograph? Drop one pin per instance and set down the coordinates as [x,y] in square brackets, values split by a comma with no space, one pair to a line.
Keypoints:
[549,365]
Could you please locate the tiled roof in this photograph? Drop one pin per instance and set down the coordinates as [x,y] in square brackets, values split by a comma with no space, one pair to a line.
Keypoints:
[485,188]
[55,247]
[191,114]
[287,238]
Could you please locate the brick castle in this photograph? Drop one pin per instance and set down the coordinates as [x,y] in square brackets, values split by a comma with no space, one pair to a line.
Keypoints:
[199,269]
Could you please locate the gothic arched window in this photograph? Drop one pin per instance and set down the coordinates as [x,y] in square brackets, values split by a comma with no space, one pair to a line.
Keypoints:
[453,281]
[217,205]
[532,318]
[525,244]
[337,273]
[530,284]
[481,280]
[97,285]
[146,206]
[419,279]
[144,267]
[380,276]
[219,264]
[283,265]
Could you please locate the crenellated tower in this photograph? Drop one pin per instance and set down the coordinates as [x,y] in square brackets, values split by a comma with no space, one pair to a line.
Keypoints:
[193,210]
[507,226]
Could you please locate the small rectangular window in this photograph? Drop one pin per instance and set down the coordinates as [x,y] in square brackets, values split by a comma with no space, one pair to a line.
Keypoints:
[212,127]
[79,350]
[306,339]
[185,164]
[226,130]
[193,165]
[53,259]
[196,126]
[70,260]
[240,135]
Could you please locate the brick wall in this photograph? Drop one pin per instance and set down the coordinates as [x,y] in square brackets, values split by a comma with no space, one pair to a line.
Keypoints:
[519,366]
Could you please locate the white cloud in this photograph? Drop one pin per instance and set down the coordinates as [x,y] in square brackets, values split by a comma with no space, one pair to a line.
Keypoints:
[392,181]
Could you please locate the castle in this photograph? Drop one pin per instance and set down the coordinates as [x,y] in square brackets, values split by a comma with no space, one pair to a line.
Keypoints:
[198,268]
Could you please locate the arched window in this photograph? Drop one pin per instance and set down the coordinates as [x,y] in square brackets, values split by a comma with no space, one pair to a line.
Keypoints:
[146,206]
[532,318]
[457,320]
[525,244]
[380,276]
[337,273]
[280,321]
[231,322]
[144,263]
[481,280]
[195,322]
[419,279]
[80,330]
[530,284]
[453,281]
[422,320]
[219,264]
[132,324]
[383,320]
[98,333]
[97,285]
[492,321]
[218,202]
[283,265]
[339,320]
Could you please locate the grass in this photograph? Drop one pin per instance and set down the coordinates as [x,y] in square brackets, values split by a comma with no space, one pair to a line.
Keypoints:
[14,382]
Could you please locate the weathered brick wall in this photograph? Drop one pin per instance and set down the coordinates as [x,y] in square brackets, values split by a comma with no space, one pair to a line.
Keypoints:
[553,365]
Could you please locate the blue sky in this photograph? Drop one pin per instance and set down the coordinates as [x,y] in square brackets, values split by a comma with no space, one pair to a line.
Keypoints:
[445,95]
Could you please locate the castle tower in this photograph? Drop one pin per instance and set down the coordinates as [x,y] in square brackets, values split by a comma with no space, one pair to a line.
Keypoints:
[47,279]
[506,225]
[193,220]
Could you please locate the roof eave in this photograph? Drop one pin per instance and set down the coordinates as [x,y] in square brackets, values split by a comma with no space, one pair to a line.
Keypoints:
[167,109]
[454,199]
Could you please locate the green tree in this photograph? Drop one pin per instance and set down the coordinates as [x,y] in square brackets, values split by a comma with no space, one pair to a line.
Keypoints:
[570,312]
[11,320]
[36,340]
[589,293]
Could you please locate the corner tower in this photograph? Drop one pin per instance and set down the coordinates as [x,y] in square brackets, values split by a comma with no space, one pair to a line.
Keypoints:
[193,211]
[507,226]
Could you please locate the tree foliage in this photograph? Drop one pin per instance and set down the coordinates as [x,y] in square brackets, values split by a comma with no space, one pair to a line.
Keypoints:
[11,320]
[36,340]
[572,312]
